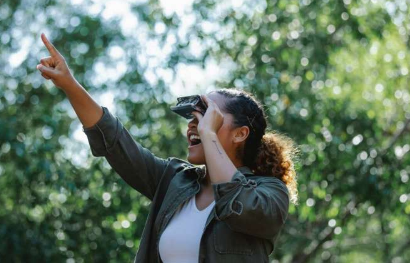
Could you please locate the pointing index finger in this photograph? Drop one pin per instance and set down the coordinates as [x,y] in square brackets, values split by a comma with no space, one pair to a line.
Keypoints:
[53,51]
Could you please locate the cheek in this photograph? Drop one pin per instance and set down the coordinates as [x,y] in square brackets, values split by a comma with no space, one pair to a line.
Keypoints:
[224,137]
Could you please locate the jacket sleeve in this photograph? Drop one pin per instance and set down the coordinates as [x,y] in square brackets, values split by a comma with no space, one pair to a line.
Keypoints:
[255,209]
[140,168]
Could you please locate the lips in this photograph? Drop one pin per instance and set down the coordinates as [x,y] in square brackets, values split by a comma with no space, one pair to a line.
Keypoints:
[193,139]
[193,146]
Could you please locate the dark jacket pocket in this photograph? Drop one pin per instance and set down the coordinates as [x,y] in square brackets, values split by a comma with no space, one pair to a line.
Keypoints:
[227,241]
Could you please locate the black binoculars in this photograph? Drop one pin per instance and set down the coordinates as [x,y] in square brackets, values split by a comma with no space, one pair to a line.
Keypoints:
[185,106]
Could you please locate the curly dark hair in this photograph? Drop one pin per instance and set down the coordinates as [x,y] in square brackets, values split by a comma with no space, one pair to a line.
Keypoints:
[270,153]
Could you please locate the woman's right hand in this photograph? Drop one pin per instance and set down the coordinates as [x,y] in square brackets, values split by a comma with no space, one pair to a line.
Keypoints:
[54,67]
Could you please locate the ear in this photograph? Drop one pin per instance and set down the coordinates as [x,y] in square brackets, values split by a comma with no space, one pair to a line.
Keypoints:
[240,134]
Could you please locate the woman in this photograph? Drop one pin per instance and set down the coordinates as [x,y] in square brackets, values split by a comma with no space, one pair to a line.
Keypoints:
[231,210]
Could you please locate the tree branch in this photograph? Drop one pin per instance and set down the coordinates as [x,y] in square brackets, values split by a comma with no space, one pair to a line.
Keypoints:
[395,137]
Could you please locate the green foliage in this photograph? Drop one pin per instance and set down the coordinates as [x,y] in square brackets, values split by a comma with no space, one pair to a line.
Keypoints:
[333,75]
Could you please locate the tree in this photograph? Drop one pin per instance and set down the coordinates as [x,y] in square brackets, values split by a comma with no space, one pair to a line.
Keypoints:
[339,69]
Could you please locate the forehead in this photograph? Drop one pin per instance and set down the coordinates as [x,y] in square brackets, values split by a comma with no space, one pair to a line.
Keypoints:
[218,99]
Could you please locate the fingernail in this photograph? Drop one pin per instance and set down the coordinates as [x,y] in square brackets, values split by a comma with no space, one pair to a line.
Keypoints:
[39,67]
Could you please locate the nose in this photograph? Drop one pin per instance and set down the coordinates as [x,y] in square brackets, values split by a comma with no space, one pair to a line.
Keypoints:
[193,123]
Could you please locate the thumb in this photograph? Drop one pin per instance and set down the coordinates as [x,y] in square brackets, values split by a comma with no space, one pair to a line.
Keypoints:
[50,72]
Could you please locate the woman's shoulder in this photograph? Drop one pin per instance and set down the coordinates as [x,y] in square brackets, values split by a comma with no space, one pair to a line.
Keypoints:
[264,178]
[269,179]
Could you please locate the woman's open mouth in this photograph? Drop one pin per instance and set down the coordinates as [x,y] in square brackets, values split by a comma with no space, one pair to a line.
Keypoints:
[194,140]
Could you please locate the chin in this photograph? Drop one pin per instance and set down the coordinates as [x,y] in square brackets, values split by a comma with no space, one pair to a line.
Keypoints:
[195,159]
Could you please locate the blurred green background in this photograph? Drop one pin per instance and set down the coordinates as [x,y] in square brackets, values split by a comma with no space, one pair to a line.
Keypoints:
[332,75]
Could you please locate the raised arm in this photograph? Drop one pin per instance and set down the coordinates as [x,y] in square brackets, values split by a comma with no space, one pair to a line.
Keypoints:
[107,136]
[135,164]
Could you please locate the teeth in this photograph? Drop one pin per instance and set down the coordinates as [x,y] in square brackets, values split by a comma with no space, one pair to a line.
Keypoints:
[193,137]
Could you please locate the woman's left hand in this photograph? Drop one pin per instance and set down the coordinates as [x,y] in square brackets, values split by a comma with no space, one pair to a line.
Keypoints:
[213,119]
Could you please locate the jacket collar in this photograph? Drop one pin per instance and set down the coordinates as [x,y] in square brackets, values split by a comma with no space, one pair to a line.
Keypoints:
[201,171]
[245,170]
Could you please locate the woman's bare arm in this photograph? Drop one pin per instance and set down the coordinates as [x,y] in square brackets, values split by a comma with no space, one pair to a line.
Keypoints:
[55,68]
[87,109]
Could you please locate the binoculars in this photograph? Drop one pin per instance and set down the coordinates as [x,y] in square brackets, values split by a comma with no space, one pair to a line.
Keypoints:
[185,106]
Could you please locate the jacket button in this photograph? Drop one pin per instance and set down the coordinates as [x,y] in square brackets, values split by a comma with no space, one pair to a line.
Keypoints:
[252,183]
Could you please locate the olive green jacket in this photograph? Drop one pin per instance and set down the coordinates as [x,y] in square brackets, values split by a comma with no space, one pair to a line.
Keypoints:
[249,210]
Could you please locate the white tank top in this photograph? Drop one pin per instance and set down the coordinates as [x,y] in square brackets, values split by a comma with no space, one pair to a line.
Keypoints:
[179,243]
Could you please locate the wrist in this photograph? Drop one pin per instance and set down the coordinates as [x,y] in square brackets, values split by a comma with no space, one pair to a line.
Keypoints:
[207,134]
[70,84]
